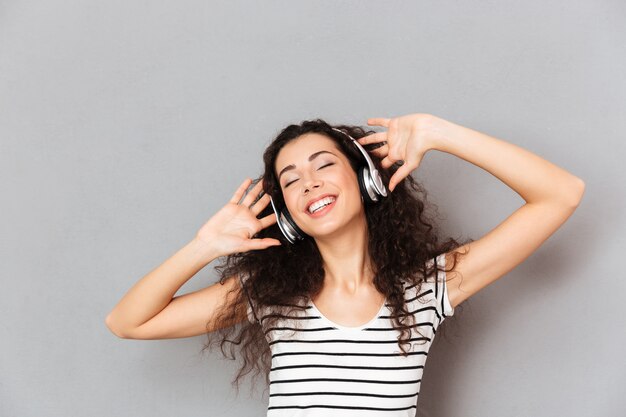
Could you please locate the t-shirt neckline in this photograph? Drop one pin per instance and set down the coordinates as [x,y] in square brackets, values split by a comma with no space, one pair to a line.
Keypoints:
[349,328]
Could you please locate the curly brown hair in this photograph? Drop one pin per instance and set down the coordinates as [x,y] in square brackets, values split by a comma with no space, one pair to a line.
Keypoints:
[402,239]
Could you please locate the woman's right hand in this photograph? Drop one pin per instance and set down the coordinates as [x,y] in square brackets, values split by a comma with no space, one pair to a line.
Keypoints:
[231,229]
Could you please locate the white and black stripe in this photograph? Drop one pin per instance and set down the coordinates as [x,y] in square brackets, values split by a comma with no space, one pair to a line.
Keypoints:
[320,368]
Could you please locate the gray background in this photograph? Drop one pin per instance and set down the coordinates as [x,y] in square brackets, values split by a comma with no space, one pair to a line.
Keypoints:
[125,125]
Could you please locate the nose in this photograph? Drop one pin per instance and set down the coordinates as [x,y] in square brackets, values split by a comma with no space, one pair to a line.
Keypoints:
[309,184]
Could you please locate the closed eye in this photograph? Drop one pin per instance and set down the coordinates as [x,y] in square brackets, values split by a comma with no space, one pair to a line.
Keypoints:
[323,166]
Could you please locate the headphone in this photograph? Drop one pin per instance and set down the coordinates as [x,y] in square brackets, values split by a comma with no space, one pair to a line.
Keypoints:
[370,184]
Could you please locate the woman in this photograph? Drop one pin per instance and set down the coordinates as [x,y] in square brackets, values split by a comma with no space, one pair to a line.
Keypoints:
[339,303]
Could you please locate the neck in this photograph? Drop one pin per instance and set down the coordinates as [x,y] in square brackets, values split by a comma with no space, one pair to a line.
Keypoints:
[347,263]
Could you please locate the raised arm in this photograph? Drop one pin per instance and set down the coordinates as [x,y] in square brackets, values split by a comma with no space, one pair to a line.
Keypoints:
[150,311]
[551,193]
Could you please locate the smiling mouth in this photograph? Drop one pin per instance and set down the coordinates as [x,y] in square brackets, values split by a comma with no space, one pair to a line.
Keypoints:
[322,206]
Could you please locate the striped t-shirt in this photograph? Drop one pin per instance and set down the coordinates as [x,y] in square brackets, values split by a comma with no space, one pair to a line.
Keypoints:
[322,368]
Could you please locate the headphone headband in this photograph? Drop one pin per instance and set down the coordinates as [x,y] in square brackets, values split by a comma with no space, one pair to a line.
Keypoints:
[377,180]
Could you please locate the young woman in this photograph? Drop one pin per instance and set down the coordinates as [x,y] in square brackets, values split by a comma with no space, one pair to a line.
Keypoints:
[338,304]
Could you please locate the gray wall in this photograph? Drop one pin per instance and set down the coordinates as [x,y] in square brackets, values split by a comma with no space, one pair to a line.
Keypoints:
[125,125]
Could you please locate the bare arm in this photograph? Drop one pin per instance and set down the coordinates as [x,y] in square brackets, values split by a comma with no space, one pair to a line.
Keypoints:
[155,291]
[551,193]
[150,311]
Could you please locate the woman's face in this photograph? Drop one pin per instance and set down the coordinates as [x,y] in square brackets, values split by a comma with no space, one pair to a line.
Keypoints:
[311,167]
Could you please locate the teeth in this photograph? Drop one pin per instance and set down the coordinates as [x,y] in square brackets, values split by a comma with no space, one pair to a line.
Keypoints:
[318,205]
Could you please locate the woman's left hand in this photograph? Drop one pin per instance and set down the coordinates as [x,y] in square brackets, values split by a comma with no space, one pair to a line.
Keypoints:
[408,138]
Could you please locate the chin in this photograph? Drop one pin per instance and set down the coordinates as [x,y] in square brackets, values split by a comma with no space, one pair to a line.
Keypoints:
[331,228]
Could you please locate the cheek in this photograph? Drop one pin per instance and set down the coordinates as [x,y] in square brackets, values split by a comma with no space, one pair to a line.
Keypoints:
[351,190]
[291,202]
[352,183]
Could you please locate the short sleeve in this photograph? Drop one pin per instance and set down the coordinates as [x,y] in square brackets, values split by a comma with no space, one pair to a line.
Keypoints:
[252,317]
[442,304]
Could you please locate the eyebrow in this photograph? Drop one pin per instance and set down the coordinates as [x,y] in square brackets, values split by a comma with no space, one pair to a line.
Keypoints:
[312,157]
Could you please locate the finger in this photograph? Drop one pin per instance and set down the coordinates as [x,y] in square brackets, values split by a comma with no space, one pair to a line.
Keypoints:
[261,203]
[380,152]
[252,194]
[387,162]
[392,133]
[256,244]
[380,121]
[267,221]
[373,138]
[239,193]
[399,175]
